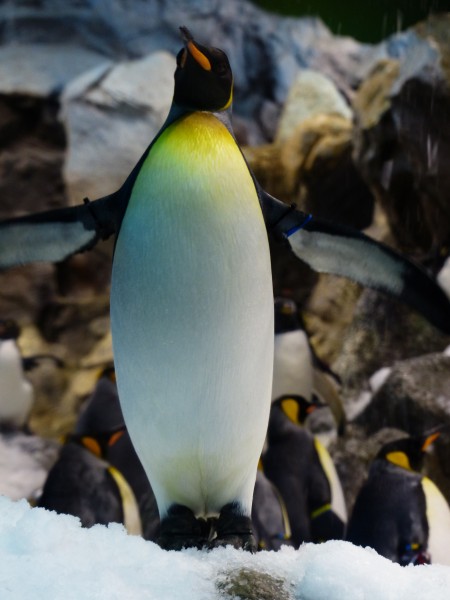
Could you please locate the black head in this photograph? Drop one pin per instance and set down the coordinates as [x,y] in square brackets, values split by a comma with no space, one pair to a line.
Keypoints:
[203,78]
[409,452]
[297,408]
[286,315]
[9,329]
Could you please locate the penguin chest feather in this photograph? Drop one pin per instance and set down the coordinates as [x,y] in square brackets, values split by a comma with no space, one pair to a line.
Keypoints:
[191,311]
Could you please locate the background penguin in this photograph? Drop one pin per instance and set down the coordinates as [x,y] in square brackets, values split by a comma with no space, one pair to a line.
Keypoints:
[16,393]
[297,369]
[269,515]
[98,476]
[191,224]
[399,512]
[304,474]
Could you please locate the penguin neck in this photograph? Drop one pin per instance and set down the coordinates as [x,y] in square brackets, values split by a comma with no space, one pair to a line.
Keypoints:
[177,112]
[280,425]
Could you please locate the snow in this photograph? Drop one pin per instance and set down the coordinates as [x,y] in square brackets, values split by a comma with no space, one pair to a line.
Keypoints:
[45,556]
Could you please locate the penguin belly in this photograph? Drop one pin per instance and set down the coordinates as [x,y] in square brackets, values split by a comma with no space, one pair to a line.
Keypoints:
[292,368]
[192,319]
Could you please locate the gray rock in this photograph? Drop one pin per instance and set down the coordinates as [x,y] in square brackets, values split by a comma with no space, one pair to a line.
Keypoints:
[402,145]
[266,50]
[43,69]
[415,396]
[310,94]
[383,331]
[110,121]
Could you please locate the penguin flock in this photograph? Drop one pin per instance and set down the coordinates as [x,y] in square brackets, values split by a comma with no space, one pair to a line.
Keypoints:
[192,311]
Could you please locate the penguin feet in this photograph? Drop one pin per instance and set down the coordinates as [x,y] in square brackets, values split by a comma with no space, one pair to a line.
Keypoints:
[234,529]
[181,529]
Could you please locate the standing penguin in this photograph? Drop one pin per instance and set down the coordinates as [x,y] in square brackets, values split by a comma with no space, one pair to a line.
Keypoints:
[304,474]
[269,515]
[98,476]
[191,300]
[399,512]
[296,368]
[16,393]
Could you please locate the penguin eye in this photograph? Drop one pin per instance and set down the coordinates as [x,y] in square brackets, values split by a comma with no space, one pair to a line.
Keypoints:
[221,68]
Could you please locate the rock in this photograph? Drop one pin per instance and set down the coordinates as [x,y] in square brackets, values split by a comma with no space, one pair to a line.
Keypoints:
[266,51]
[43,69]
[415,396]
[328,313]
[111,121]
[402,145]
[24,463]
[314,168]
[310,94]
[383,331]
[249,584]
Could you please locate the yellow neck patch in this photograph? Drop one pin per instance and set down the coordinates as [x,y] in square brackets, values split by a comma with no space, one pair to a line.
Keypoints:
[400,459]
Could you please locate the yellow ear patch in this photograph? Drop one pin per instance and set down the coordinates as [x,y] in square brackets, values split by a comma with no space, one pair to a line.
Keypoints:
[202,60]
[400,459]
[92,445]
[291,409]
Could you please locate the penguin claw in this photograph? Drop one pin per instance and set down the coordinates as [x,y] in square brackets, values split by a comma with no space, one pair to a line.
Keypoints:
[234,529]
[181,529]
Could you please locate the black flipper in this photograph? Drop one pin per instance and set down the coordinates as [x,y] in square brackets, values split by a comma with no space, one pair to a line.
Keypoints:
[339,250]
[56,234]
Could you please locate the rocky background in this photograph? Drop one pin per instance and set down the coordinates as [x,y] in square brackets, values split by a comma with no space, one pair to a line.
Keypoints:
[353,133]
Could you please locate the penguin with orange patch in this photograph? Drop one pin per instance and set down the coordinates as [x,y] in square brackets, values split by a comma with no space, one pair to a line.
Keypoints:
[98,476]
[399,512]
[304,474]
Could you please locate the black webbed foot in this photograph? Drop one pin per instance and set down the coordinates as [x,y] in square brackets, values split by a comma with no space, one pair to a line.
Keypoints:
[234,529]
[181,529]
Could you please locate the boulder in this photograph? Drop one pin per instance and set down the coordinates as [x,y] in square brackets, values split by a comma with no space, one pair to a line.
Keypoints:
[110,118]
[383,331]
[401,142]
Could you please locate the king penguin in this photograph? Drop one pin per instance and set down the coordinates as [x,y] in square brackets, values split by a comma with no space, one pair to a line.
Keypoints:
[399,512]
[191,300]
[98,476]
[296,367]
[16,392]
[303,472]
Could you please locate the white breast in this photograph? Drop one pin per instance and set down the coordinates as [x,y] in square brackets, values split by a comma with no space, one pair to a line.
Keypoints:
[16,394]
[192,320]
[292,367]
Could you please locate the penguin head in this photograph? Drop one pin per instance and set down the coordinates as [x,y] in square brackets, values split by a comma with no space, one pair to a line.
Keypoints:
[297,408]
[408,453]
[101,411]
[98,443]
[9,329]
[203,78]
[286,315]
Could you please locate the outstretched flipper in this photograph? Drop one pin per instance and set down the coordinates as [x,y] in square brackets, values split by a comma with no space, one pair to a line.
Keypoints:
[56,234]
[339,250]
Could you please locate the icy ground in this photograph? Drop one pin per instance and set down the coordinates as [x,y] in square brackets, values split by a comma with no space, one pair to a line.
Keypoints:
[45,556]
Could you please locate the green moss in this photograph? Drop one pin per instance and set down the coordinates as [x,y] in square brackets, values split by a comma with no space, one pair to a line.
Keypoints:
[248,584]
